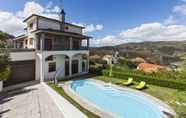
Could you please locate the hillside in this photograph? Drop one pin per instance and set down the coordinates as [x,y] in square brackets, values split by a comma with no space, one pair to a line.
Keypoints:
[155,52]
[5,36]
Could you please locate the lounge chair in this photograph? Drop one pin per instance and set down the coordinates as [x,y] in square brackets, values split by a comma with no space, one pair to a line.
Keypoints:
[129,82]
[141,85]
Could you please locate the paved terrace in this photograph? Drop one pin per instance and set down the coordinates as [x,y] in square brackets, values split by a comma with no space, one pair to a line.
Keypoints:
[30,102]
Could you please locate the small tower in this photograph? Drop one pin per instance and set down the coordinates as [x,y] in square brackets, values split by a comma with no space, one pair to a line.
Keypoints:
[62,18]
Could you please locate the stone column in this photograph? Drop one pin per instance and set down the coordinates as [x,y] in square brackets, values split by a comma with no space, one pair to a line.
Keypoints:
[42,58]
[70,66]
[88,43]
[87,64]
[80,65]
[42,38]
[71,45]
[42,69]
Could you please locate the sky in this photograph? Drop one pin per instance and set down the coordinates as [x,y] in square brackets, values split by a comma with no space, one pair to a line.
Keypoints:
[109,22]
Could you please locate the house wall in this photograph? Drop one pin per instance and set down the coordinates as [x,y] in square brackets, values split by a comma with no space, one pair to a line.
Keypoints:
[60,64]
[73,29]
[22,56]
[34,21]
[48,24]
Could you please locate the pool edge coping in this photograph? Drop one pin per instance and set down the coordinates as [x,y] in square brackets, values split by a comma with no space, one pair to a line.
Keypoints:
[86,104]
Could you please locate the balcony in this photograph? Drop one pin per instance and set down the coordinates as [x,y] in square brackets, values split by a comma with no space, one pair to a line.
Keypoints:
[63,44]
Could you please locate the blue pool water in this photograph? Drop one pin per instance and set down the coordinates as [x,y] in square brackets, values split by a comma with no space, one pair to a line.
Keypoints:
[121,103]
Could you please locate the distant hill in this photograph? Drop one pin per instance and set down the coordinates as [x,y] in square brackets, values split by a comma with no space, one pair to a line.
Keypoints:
[5,36]
[162,52]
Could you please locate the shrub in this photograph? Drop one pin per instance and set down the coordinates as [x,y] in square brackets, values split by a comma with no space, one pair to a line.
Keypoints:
[4,73]
[4,60]
[126,63]
[96,70]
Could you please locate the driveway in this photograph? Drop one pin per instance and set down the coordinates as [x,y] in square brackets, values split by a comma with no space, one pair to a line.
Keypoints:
[29,102]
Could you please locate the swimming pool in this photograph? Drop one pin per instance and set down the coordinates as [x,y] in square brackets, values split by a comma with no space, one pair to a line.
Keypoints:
[124,104]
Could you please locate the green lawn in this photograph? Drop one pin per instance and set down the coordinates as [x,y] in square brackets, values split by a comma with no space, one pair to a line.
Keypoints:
[77,105]
[170,96]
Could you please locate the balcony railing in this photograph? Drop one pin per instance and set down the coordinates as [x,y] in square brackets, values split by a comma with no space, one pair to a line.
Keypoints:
[21,50]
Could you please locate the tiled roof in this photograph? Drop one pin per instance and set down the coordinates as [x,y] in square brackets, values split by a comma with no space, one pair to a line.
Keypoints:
[149,68]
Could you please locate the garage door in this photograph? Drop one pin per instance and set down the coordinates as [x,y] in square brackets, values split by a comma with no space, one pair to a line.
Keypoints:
[21,71]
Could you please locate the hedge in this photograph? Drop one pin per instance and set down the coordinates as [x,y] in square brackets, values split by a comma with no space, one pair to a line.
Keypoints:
[176,84]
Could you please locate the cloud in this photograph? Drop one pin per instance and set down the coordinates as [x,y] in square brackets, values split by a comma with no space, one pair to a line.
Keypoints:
[10,23]
[93,28]
[180,9]
[145,32]
[31,8]
[170,20]
[49,5]
[90,27]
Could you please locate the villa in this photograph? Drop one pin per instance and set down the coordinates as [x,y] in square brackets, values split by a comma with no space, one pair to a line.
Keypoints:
[50,49]
[150,68]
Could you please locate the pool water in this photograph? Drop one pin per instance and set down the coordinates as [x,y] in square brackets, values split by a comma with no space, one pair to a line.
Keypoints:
[123,104]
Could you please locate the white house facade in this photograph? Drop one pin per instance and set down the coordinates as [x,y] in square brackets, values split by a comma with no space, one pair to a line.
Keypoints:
[50,49]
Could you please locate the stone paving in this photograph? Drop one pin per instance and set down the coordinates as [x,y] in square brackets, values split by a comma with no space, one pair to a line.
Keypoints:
[30,102]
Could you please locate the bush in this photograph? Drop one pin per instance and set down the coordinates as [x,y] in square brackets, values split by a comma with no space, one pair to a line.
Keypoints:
[126,63]
[176,84]
[96,70]
[4,60]
[4,73]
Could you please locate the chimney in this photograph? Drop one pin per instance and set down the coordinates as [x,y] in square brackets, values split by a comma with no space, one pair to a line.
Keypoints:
[62,18]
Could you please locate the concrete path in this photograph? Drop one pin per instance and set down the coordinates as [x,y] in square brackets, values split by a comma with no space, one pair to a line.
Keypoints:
[68,110]
[30,102]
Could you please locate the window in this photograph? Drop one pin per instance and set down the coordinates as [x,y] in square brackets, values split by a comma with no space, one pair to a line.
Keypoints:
[26,42]
[31,41]
[52,67]
[83,66]
[75,66]
[31,26]
[66,28]
[50,58]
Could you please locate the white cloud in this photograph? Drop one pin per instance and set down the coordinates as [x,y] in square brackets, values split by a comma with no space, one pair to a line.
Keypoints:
[180,9]
[31,8]
[49,5]
[12,22]
[170,20]
[90,27]
[145,32]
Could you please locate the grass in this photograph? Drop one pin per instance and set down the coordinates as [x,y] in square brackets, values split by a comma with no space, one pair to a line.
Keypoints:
[73,102]
[170,96]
